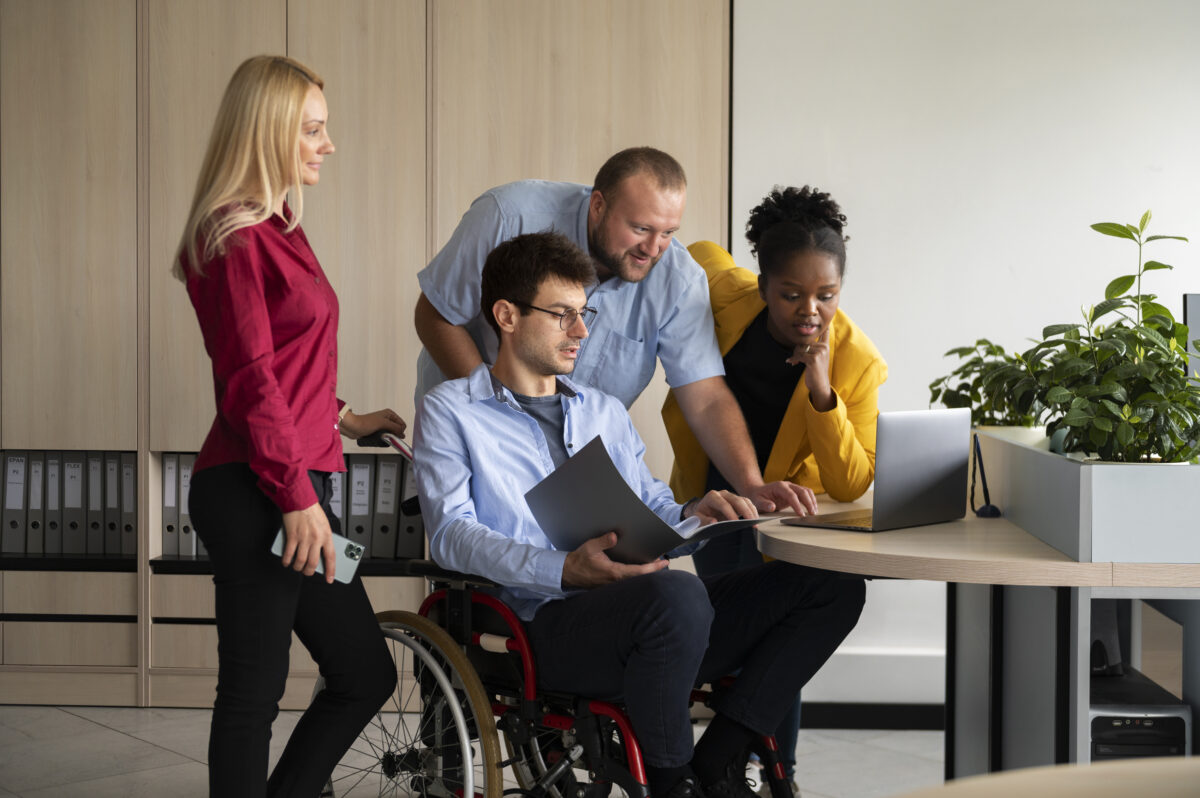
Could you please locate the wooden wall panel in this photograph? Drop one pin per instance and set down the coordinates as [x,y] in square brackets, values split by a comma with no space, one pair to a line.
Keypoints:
[550,89]
[68,256]
[193,50]
[366,218]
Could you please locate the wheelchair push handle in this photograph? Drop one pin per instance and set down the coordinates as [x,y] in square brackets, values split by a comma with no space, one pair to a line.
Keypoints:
[382,440]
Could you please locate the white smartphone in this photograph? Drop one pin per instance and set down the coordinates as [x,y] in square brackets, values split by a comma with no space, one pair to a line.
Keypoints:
[349,554]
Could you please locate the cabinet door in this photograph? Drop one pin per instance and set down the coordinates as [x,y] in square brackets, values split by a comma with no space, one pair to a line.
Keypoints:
[551,88]
[68,224]
[193,49]
[366,218]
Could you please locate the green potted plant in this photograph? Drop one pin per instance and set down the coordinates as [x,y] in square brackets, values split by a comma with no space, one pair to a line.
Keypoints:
[1115,388]
[973,384]
[1115,385]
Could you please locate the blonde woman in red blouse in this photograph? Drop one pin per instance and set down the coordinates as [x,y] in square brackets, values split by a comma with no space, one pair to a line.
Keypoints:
[269,319]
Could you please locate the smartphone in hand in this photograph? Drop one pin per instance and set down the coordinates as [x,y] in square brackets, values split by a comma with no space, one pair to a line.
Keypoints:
[349,554]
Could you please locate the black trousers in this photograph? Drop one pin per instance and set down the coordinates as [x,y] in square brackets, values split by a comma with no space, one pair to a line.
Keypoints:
[648,640]
[259,604]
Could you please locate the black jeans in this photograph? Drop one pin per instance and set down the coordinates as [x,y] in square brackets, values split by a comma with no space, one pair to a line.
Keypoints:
[648,640]
[259,604]
[729,553]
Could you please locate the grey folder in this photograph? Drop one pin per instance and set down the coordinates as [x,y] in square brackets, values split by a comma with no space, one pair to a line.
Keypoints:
[54,527]
[387,508]
[12,539]
[361,484]
[170,505]
[128,504]
[337,499]
[74,485]
[112,503]
[410,538]
[586,496]
[920,473]
[35,504]
[187,533]
[94,506]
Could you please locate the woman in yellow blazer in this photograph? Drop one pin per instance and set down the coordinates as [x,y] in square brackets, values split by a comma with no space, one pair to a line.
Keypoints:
[806,377]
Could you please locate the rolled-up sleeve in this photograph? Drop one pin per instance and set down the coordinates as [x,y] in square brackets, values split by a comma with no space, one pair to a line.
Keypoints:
[451,281]
[687,343]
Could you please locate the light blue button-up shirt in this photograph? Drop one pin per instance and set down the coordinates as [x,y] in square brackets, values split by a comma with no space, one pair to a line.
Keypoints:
[665,316]
[476,453]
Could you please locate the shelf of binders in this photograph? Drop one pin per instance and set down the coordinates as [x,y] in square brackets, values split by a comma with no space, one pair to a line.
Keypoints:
[69,510]
[68,577]
[374,501]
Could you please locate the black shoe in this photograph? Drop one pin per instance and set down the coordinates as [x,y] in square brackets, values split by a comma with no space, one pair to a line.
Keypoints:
[733,784]
[687,787]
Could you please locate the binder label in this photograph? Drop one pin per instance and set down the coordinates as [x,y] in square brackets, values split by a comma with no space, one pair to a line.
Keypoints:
[73,487]
[335,501]
[52,490]
[35,485]
[170,479]
[386,501]
[14,483]
[185,486]
[360,477]
[95,483]
[128,499]
[112,469]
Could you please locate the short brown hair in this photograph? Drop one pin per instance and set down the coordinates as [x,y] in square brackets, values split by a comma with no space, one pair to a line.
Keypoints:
[665,170]
[516,269]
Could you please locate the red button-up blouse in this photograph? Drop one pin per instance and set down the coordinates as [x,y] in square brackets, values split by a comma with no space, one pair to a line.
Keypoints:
[269,319]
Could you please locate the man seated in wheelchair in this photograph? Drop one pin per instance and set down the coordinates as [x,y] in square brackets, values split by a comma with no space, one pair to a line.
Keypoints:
[640,634]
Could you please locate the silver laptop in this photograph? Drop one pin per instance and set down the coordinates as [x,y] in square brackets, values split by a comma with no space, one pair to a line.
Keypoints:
[920,473]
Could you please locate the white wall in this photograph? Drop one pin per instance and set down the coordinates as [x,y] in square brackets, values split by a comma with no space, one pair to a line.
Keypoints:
[970,145]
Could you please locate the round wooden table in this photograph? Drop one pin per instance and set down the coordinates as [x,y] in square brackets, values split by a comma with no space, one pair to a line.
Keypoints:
[1159,777]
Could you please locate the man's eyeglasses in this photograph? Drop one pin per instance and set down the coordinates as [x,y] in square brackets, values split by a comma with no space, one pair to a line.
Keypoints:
[567,318]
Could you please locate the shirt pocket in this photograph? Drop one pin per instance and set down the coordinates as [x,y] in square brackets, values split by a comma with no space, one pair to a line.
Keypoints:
[623,368]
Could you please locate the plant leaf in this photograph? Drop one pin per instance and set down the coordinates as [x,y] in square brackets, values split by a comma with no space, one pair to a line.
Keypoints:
[1153,265]
[1113,229]
[1107,306]
[1103,423]
[1124,433]
[1157,238]
[1058,395]
[1058,329]
[1119,286]
[1145,220]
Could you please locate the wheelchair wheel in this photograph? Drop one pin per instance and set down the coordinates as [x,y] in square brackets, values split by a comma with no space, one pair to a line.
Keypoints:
[438,719]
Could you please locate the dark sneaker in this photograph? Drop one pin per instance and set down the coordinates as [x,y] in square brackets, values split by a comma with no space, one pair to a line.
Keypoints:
[733,784]
[687,787]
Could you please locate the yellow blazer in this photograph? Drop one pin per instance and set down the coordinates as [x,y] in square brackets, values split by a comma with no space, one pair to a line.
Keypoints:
[833,451]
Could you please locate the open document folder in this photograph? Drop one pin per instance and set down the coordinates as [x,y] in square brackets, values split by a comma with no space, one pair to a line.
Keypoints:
[586,497]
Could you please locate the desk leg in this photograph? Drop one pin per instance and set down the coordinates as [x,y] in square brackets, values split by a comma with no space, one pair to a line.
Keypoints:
[1045,672]
[974,615]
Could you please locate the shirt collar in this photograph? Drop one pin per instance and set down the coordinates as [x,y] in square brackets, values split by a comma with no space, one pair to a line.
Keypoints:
[481,386]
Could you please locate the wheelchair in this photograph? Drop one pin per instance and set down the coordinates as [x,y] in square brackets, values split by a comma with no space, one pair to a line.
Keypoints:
[466,678]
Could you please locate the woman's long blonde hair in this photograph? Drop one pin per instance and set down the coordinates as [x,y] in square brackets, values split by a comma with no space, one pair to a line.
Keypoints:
[253,157]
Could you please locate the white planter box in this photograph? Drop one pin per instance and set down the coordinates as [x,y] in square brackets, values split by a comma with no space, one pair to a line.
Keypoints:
[1096,512]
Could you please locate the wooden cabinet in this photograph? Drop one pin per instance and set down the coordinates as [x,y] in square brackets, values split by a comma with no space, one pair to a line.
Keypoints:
[192,50]
[68,254]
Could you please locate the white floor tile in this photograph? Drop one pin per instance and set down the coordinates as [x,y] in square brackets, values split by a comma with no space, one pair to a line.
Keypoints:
[43,723]
[101,753]
[188,780]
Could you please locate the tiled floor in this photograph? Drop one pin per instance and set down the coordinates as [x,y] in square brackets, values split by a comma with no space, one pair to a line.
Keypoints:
[97,752]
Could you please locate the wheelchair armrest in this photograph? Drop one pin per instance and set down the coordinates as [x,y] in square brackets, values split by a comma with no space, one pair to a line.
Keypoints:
[431,570]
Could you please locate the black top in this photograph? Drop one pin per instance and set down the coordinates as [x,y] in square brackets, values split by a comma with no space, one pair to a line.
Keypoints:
[763,382]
